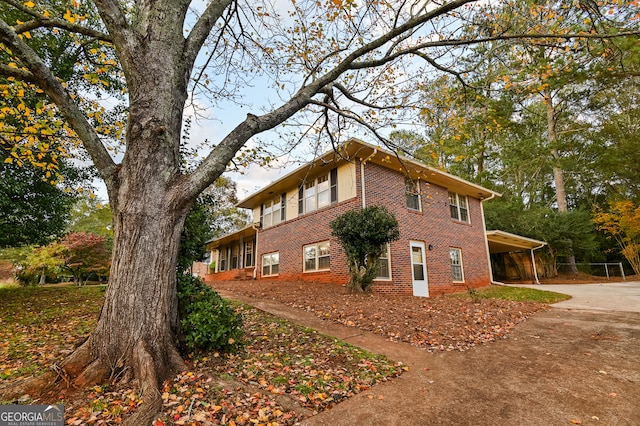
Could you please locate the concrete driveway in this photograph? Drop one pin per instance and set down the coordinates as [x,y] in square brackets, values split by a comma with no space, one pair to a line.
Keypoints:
[620,297]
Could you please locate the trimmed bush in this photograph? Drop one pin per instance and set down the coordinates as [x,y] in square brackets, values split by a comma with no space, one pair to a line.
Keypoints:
[208,322]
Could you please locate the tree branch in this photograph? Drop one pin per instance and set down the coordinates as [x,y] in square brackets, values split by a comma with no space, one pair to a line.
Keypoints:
[42,21]
[47,81]
[202,28]
[19,74]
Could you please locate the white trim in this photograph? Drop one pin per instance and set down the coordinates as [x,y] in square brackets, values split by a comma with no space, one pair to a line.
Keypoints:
[459,250]
[317,257]
[390,278]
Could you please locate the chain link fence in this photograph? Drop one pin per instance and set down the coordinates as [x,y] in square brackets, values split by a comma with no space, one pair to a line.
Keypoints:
[607,270]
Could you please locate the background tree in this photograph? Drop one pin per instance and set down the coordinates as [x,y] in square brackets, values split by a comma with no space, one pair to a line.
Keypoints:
[363,235]
[92,216]
[84,253]
[622,223]
[42,261]
[326,63]
[33,211]
[221,214]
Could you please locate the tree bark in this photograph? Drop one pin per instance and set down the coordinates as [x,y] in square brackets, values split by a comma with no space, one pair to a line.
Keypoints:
[558,173]
[136,334]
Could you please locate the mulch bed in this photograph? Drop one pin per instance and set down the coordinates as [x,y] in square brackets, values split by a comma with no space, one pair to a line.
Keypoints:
[441,323]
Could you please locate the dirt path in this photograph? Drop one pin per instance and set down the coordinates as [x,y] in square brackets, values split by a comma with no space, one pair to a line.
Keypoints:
[558,367]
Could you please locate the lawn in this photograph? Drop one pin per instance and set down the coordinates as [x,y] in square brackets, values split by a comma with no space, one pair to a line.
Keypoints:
[515,294]
[283,373]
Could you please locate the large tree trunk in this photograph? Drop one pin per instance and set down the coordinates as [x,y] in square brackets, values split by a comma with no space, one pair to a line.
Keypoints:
[558,173]
[136,334]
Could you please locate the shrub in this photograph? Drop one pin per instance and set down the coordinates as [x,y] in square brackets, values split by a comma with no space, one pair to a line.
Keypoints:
[363,234]
[208,322]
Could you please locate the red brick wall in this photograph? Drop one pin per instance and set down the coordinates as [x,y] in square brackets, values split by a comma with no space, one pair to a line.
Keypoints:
[433,226]
[289,239]
[233,274]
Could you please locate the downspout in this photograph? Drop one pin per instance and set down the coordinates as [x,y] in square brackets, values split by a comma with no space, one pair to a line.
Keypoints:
[533,263]
[486,241]
[362,187]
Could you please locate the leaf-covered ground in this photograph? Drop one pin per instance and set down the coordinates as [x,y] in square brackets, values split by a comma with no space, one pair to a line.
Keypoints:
[283,374]
[441,323]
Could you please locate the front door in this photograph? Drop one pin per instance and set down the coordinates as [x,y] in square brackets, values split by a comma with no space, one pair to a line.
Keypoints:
[419,269]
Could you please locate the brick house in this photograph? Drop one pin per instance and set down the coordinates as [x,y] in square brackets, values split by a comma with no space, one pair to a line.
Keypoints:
[442,246]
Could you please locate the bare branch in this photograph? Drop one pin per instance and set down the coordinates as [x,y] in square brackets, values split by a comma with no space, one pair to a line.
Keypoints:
[202,28]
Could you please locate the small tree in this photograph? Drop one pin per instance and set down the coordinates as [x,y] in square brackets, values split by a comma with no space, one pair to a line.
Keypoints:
[83,253]
[623,224]
[363,234]
[44,259]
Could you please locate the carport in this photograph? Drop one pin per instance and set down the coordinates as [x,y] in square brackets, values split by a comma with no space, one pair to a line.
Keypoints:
[501,242]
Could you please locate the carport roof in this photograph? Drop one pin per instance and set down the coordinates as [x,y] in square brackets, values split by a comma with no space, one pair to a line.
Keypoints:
[504,242]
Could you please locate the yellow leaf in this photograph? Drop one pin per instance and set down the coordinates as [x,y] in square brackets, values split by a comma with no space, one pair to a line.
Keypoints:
[8,160]
[69,17]
[30,4]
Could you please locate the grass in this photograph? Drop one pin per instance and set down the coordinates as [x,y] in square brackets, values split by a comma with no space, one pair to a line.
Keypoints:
[514,294]
[9,283]
[40,325]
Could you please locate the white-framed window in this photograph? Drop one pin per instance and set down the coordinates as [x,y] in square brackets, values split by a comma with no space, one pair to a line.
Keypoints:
[270,264]
[248,253]
[412,193]
[234,257]
[223,259]
[273,211]
[459,207]
[456,264]
[318,193]
[317,257]
[384,264]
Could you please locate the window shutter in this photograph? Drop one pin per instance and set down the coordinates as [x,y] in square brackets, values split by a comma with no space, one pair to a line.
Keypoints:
[283,200]
[333,181]
[301,199]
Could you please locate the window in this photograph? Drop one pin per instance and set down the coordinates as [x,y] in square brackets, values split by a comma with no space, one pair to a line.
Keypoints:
[317,257]
[412,192]
[459,207]
[223,259]
[318,193]
[270,264]
[384,264]
[248,253]
[273,211]
[234,257]
[456,264]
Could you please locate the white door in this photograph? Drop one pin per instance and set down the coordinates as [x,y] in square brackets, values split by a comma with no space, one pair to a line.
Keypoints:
[419,269]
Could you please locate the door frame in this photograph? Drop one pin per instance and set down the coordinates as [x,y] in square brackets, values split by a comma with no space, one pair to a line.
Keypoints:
[420,287]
